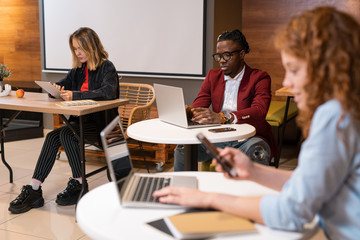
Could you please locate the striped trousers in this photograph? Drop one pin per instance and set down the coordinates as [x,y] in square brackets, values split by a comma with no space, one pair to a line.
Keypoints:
[63,136]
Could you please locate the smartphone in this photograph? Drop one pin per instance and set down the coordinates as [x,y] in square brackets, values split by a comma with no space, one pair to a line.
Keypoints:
[214,153]
[225,129]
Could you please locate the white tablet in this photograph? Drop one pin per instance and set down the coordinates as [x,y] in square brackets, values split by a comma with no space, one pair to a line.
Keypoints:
[49,87]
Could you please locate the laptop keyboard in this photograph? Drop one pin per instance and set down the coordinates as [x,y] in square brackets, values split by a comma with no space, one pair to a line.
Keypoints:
[147,185]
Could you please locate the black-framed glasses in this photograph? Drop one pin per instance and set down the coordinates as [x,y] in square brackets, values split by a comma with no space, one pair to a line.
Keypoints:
[225,55]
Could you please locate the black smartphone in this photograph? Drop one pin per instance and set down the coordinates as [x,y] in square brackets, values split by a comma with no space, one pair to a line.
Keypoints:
[225,129]
[214,153]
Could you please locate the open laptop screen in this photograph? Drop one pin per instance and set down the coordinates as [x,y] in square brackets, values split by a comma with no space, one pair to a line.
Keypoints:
[135,189]
[117,152]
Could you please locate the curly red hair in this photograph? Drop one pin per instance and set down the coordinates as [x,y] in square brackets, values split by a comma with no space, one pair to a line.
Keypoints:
[329,41]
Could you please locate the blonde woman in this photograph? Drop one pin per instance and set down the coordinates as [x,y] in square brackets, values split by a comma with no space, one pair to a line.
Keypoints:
[93,76]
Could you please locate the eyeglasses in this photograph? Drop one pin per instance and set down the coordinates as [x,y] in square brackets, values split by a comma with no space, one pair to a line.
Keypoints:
[225,55]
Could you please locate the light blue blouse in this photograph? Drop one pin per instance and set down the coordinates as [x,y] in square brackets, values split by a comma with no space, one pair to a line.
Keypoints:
[326,181]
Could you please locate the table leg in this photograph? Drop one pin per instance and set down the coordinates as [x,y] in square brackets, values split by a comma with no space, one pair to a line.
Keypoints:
[190,157]
[277,159]
[2,139]
[82,158]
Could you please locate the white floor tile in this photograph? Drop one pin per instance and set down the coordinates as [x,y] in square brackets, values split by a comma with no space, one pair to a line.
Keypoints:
[8,235]
[50,222]
[5,199]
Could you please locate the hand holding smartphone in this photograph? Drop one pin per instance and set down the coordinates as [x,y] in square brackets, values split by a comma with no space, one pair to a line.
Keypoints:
[214,153]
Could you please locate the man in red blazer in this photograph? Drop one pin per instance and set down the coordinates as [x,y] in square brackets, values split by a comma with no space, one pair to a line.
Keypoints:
[238,94]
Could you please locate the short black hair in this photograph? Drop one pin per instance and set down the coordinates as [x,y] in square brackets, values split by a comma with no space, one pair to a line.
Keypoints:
[236,36]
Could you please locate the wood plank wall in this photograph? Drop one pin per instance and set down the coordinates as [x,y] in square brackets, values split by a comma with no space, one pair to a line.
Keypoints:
[20,39]
[227,17]
[261,19]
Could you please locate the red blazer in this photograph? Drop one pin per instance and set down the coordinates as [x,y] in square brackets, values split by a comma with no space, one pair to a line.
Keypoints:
[252,103]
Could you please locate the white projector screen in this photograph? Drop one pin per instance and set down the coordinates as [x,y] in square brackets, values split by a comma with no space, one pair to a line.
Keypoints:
[142,37]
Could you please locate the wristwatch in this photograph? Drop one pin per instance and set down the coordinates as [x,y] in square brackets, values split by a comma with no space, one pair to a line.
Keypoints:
[226,118]
[229,118]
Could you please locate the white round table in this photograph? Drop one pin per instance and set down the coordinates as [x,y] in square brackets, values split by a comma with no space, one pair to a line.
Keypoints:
[100,215]
[156,131]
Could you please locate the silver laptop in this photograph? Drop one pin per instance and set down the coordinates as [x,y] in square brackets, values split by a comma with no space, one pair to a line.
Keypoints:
[135,189]
[171,107]
[49,87]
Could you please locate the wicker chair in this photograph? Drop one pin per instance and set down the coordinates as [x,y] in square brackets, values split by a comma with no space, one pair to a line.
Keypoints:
[141,98]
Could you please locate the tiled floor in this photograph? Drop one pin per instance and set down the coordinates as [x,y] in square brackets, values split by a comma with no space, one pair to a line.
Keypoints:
[53,221]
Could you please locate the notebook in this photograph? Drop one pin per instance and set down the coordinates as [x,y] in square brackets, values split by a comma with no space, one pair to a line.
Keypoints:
[205,224]
[75,103]
[171,107]
[49,87]
[135,189]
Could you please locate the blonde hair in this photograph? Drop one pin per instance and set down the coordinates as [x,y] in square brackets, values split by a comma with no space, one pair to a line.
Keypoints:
[329,41]
[90,43]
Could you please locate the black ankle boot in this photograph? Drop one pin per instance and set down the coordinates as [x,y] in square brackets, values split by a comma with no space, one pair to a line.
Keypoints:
[71,193]
[27,199]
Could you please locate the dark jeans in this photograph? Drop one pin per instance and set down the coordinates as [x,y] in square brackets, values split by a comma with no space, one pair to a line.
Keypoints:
[256,148]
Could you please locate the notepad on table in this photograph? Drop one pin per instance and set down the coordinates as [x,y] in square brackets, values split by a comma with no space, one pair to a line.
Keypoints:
[77,103]
[207,224]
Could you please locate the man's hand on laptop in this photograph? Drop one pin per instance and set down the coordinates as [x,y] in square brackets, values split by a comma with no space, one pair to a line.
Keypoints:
[205,115]
[189,113]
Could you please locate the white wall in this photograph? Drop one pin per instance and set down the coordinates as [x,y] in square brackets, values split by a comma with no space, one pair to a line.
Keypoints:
[143,37]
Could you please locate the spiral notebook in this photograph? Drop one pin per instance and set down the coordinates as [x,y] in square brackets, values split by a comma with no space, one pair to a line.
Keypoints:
[77,103]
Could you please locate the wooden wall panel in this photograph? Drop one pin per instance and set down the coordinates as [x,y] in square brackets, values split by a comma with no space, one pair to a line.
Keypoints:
[227,17]
[262,18]
[20,39]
